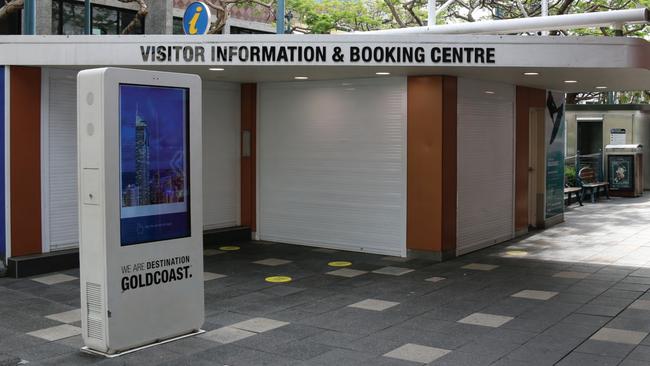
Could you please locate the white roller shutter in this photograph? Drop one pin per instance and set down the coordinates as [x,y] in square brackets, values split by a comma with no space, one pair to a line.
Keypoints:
[332,164]
[60,145]
[221,155]
[485,164]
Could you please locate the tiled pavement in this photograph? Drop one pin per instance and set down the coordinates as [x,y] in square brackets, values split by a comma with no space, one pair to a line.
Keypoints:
[537,301]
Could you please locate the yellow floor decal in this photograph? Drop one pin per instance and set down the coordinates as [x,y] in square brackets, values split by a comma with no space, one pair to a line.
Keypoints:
[339,264]
[229,248]
[278,279]
[516,253]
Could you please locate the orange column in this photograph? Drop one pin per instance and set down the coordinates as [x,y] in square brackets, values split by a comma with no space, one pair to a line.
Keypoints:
[25,160]
[431,165]
[249,154]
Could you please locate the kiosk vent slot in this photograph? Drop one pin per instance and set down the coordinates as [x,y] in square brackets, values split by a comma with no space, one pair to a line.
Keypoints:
[95,315]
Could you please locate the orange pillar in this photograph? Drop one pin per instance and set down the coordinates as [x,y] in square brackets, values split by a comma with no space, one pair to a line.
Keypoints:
[25,160]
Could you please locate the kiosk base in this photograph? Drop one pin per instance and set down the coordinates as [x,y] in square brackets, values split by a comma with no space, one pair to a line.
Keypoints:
[118,354]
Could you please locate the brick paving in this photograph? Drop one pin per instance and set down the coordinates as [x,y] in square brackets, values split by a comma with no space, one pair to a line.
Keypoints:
[575,294]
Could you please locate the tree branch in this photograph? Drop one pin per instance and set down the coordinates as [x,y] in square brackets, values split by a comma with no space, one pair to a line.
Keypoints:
[139,16]
[11,7]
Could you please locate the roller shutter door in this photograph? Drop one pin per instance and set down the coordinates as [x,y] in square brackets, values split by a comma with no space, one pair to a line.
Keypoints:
[485,164]
[221,158]
[332,164]
[221,155]
[61,164]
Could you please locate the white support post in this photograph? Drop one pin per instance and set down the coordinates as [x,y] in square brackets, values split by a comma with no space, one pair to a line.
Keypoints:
[431,9]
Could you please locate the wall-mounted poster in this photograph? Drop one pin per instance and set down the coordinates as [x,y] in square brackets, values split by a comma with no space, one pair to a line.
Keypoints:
[617,136]
[621,172]
[554,138]
[153,163]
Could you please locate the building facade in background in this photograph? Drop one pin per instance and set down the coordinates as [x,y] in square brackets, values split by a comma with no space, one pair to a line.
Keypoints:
[66,17]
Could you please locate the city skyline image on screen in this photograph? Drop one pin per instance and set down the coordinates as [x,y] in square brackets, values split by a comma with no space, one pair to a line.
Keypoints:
[153,161]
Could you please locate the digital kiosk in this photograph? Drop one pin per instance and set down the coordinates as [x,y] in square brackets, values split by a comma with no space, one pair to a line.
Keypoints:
[140,210]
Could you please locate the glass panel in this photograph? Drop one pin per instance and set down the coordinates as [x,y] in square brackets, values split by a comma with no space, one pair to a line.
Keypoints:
[104,20]
[178,26]
[56,13]
[73,18]
[154,168]
[126,17]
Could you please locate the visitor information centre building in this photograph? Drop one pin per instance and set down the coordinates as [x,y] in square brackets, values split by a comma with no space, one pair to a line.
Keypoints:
[391,144]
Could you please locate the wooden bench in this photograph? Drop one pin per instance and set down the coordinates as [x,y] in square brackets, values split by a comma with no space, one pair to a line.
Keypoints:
[572,190]
[588,181]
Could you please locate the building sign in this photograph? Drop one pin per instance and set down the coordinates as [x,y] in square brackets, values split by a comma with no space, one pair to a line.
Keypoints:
[617,136]
[196,19]
[153,161]
[554,138]
[336,54]
[621,172]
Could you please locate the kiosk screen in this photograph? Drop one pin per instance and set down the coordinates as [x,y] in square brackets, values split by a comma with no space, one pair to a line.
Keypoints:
[153,163]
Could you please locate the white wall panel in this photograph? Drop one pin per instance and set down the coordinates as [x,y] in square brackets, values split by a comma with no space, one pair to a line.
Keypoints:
[486,126]
[332,164]
[221,155]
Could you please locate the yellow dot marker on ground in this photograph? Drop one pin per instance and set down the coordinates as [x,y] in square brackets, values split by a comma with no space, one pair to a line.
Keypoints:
[339,264]
[516,253]
[229,248]
[278,279]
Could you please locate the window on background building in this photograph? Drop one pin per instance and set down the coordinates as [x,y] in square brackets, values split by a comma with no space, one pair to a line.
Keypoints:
[240,30]
[12,23]
[178,26]
[68,18]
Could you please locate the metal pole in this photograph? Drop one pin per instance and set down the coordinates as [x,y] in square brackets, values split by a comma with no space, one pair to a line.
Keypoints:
[431,9]
[544,8]
[29,17]
[279,18]
[87,18]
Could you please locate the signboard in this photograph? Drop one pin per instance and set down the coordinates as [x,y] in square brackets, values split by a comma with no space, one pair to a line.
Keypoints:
[617,136]
[621,172]
[140,209]
[196,19]
[554,141]
[153,161]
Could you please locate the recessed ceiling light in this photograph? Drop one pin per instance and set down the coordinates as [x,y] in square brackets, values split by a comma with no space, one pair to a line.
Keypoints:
[570,81]
[531,73]
[382,73]
[216,69]
[601,87]
[489,92]
[301,77]
[346,84]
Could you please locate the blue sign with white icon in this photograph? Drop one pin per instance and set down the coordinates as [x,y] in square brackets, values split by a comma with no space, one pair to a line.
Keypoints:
[196,19]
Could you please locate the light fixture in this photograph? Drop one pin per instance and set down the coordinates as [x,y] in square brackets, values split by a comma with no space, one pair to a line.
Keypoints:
[531,73]
[382,73]
[570,81]
[346,84]
[601,87]
[301,77]
[489,92]
[216,69]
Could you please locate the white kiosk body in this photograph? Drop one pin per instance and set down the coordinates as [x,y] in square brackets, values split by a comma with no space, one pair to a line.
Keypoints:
[140,209]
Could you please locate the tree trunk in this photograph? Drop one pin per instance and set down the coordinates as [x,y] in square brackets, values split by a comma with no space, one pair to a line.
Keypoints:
[10,8]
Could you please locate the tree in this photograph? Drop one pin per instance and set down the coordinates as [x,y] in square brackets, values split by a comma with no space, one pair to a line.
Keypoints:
[11,7]
[138,18]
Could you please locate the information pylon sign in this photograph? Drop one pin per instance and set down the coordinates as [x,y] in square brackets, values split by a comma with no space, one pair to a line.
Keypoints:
[140,209]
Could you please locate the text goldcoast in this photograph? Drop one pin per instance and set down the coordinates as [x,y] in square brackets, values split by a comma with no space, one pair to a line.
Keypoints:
[171,270]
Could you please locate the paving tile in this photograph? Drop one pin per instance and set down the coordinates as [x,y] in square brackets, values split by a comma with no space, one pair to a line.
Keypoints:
[374,304]
[480,267]
[640,353]
[393,271]
[619,336]
[571,274]
[67,316]
[340,357]
[640,305]
[577,358]
[272,262]
[535,294]
[396,259]
[259,325]
[435,279]
[56,333]
[325,250]
[209,276]
[486,320]
[347,272]
[54,279]
[417,353]
[301,350]
[227,335]
[603,348]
